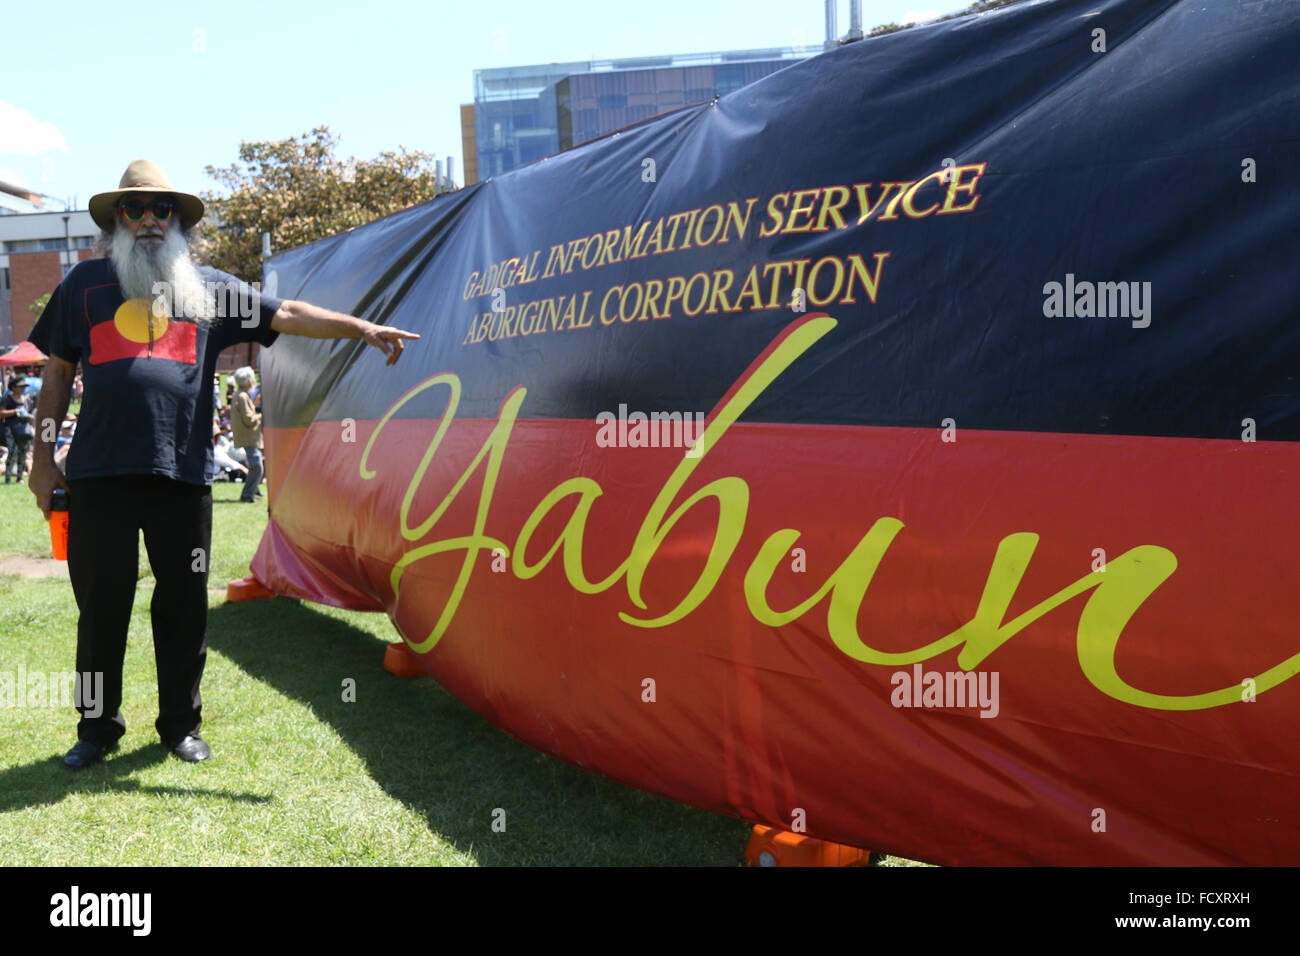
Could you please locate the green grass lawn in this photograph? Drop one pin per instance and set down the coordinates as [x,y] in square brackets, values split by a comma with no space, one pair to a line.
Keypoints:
[406,775]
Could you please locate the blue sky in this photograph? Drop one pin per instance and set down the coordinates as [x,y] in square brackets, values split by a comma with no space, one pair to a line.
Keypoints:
[85,87]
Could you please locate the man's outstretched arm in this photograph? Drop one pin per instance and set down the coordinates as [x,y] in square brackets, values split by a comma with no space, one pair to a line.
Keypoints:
[295,317]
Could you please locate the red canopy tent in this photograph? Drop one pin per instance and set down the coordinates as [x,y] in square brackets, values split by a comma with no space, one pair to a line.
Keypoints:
[24,354]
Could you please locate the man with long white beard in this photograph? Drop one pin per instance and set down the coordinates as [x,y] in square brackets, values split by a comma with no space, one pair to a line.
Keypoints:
[147,325]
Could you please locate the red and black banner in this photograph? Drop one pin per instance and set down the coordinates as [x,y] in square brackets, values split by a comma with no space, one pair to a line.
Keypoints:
[901,449]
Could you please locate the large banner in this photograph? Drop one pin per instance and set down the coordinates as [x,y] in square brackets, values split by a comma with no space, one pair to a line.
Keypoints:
[902,449]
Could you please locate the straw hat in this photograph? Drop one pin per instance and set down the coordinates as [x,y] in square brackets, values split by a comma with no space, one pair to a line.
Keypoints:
[143,176]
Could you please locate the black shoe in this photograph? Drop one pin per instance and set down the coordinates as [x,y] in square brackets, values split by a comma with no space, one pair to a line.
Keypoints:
[85,753]
[191,749]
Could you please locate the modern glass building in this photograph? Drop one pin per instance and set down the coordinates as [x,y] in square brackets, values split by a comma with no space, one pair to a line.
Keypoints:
[523,113]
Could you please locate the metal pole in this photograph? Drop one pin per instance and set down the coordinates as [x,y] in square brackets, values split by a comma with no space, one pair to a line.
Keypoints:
[855,21]
[832,31]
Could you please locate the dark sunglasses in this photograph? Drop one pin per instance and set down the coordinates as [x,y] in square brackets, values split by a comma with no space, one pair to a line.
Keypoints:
[134,209]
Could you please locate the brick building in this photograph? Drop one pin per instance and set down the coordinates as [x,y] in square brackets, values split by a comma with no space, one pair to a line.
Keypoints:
[36,250]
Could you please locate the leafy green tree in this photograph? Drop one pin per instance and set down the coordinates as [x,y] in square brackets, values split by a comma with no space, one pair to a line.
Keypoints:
[298,191]
[38,306]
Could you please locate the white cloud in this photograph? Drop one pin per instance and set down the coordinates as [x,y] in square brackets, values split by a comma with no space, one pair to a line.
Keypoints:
[915,16]
[23,133]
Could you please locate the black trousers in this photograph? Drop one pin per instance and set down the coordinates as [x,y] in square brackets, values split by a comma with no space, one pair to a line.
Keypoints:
[105,518]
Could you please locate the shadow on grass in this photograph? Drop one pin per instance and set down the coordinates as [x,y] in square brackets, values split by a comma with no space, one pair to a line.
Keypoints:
[46,782]
[430,751]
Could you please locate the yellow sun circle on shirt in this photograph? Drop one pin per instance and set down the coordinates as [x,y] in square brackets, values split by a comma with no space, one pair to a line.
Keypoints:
[132,321]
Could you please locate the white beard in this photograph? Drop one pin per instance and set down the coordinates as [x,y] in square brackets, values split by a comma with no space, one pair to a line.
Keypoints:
[165,274]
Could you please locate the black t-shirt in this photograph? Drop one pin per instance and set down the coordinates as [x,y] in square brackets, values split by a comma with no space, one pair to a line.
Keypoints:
[147,405]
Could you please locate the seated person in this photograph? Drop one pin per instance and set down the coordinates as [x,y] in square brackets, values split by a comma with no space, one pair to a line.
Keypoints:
[222,463]
[226,444]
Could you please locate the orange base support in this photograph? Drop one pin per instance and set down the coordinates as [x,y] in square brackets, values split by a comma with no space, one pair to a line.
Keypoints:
[400,661]
[769,846]
[247,589]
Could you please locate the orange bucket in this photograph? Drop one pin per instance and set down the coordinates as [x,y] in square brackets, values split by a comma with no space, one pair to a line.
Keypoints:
[59,525]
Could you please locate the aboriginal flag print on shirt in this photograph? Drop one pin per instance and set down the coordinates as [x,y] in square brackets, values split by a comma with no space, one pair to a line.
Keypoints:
[135,328]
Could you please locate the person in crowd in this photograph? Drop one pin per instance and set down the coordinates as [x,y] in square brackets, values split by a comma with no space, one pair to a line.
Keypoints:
[66,431]
[16,417]
[246,421]
[63,444]
[227,444]
[34,383]
[223,465]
